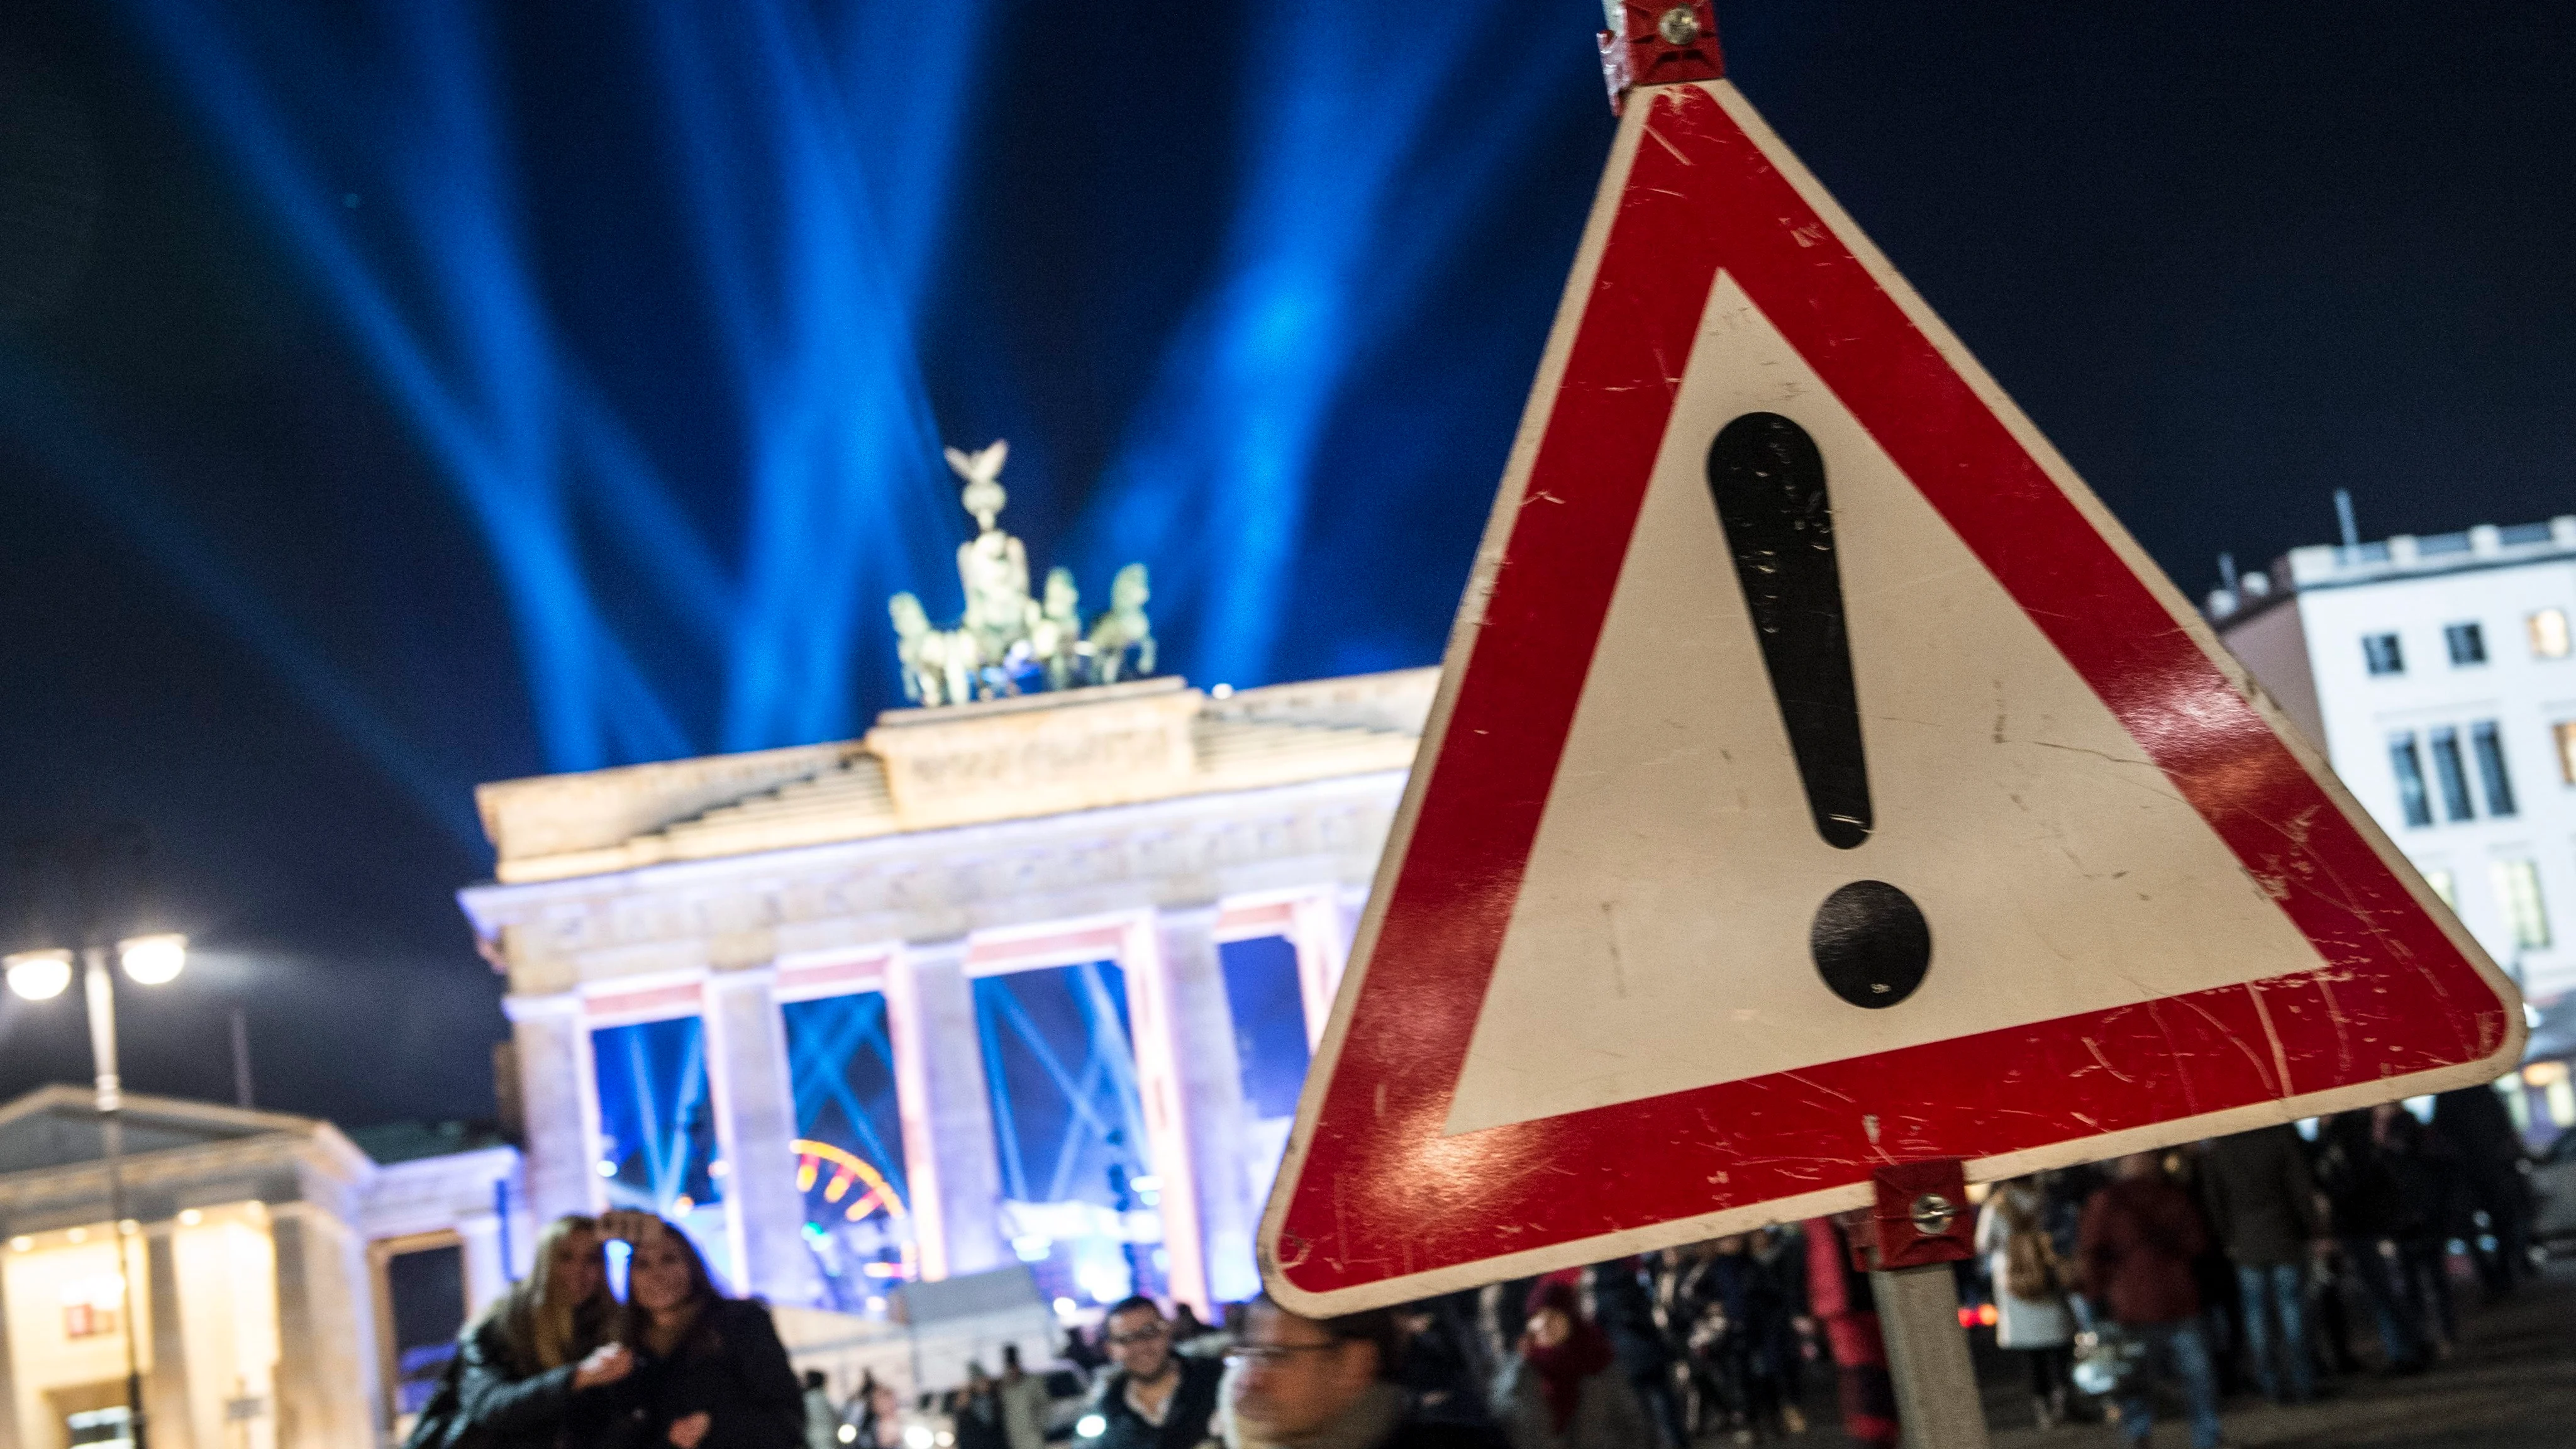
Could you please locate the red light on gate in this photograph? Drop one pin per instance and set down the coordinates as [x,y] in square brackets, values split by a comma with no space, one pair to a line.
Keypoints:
[1967,1318]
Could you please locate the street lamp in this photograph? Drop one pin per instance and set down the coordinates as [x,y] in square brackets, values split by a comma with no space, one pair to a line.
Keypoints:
[153,960]
[40,975]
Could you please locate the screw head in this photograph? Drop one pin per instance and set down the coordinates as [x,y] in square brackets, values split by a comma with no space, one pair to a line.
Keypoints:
[1933,1214]
[1678,26]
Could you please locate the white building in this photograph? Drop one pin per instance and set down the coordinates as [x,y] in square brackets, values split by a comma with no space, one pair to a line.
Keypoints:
[1033,980]
[273,1285]
[2437,672]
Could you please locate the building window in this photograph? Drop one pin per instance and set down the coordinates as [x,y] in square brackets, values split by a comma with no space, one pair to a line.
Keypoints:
[2453,772]
[2410,780]
[657,1128]
[423,1283]
[2517,886]
[850,1162]
[2565,734]
[1079,1189]
[1265,998]
[2490,747]
[2549,634]
[89,1306]
[2468,643]
[2444,886]
[2380,652]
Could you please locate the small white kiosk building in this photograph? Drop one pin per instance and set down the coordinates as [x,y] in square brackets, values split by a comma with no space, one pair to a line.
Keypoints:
[266,1278]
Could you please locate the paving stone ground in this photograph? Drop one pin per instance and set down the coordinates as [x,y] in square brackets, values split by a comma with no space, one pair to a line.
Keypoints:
[2511,1385]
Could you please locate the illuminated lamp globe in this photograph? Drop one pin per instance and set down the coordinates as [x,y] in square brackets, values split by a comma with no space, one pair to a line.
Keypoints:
[153,960]
[40,975]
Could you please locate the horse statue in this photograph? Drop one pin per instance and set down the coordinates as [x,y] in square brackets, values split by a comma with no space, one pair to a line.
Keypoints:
[940,666]
[1123,628]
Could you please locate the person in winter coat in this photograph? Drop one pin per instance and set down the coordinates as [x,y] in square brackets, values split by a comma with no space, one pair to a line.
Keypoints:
[976,1411]
[2262,1203]
[1434,1365]
[1563,1389]
[714,1375]
[1024,1402]
[2429,1177]
[1293,1382]
[538,1371]
[1625,1308]
[2136,1248]
[2473,1121]
[1838,1294]
[1781,1254]
[2030,1283]
[822,1416]
[1741,1338]
[2371,1206]
[881,1416]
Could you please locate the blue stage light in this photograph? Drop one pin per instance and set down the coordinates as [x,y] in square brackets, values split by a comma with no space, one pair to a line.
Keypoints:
[695,550]
[625,604]
[1347,193]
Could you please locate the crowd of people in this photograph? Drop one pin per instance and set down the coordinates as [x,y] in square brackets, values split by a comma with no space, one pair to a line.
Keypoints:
[1660,1349]
[2245,1263]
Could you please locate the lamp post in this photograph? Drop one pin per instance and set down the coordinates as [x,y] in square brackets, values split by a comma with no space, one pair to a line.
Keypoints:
[149,960]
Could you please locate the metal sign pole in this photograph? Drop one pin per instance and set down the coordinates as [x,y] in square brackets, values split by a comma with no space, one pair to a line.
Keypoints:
[1927,1355]
[1921,1225]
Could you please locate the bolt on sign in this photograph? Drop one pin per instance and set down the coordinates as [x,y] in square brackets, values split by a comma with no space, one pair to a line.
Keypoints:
[1821,781]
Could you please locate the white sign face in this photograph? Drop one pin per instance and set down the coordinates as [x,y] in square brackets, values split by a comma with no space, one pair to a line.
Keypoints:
[1661,937]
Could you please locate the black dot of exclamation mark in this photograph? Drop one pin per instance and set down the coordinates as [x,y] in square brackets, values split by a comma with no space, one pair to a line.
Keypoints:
[1869,940]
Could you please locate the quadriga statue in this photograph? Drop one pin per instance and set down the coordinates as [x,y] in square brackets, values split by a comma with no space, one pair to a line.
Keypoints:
[1005,633]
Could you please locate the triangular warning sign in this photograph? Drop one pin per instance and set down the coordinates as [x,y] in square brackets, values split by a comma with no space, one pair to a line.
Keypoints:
[1820,780]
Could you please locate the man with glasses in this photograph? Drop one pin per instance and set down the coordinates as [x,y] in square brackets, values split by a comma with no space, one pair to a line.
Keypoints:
[1305,1383]
[1156,1399]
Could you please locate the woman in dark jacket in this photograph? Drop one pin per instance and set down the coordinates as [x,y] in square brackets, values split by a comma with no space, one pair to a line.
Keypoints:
[1564,1390]
[715,1375]
[538,1371]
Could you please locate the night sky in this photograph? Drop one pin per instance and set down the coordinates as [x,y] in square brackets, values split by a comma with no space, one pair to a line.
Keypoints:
[390,404]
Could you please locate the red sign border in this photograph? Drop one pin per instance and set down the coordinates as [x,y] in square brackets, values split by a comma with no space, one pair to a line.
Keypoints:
[1375,1204]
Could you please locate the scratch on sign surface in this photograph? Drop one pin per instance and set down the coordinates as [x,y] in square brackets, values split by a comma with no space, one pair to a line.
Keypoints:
[2103,1061]
[1658,139]
[2280,1057]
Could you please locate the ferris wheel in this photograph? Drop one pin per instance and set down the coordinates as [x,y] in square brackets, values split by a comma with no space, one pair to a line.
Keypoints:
[848,1170]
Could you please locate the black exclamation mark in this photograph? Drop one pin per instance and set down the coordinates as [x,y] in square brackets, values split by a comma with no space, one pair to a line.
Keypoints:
[1869,940]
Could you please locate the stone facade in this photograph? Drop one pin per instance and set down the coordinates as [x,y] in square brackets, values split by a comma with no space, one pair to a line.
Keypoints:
[257,1305]
[1143,824]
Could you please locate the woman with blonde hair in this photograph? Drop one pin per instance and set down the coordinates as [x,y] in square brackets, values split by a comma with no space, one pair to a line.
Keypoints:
[2032,1317]
[535,1372]
[714,1374]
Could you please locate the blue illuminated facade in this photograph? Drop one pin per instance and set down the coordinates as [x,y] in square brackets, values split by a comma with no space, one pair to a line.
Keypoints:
[657,1137]
[1078,1183]
[1067,1043]
[850,1161]
[1077,1196]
